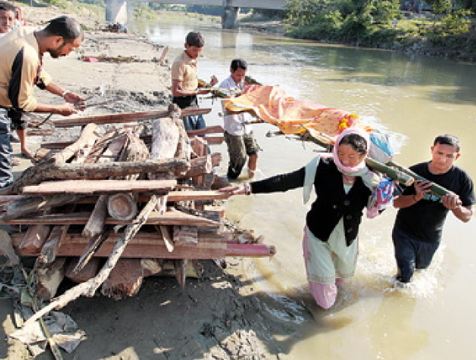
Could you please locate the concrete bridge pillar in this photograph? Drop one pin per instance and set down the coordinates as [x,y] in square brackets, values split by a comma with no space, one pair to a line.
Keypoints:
[116,11]
[229,19]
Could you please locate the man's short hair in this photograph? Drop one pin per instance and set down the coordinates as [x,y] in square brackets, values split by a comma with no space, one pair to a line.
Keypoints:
[195,39]
[66,27]
[6,6]
[238,64]
[447,139]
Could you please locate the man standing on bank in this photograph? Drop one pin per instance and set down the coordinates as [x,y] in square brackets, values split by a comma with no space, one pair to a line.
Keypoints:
[185,80]
[21,69]
[419,223]
[238,136]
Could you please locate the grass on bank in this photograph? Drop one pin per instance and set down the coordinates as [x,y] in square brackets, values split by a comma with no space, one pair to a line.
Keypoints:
[94,11]
[452,35]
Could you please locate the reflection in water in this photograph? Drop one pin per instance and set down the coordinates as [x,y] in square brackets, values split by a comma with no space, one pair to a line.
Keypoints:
[399,339]
[419,97]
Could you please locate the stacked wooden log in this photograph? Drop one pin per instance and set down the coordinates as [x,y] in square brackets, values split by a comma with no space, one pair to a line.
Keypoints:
[116,206]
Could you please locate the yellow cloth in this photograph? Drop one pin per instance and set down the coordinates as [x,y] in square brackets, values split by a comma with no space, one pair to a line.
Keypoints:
[292,116]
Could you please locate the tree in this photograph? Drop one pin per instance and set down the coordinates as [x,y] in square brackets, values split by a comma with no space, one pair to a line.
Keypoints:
[441,6]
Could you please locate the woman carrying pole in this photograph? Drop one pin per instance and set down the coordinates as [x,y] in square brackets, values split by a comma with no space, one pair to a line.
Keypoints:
[343,185]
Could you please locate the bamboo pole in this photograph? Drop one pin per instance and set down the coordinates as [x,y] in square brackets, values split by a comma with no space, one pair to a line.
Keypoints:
[435,188]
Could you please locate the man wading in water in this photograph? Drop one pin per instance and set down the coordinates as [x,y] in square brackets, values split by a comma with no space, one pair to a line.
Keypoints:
[419,223]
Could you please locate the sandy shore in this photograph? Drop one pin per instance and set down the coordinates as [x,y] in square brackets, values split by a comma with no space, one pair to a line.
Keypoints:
[219,316]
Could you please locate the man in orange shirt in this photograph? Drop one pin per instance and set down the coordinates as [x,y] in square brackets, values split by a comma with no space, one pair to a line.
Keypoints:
[185,80]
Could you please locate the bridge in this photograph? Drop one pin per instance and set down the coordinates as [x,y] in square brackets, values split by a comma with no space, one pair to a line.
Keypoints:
[116,10]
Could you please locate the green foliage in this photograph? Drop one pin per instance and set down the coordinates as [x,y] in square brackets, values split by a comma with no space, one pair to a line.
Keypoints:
[326,27]
[304,12]
[441,6]
[144,12]
[357,21]
[378,23]
[385,11]
[454,24]
[59,3]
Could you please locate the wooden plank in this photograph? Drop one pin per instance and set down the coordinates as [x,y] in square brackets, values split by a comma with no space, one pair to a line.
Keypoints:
[4,199]
[147,247]
[89,287]
[98,171]
[217,209]
[34,238]
[151,267]
[122,206]
[142,239]
[34,204]
[124,280]
[124,117]
[98,186]
[38,173]
[189,195]
[173,196]
[185,235]
[185,251]
[87,138]
[216,129]
[199,166]
[95,223]
[166,232]
[214,140]
[87,272]
[48,279]
[50,248]
[148,138]
[80,218]
[165,138]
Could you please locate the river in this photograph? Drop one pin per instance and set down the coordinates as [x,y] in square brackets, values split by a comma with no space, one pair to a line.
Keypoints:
[416,96]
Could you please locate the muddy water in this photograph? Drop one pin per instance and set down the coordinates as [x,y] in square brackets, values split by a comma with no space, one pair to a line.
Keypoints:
[418,97]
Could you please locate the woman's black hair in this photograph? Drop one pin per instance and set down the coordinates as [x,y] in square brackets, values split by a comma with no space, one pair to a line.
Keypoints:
[64,26]
[357,142]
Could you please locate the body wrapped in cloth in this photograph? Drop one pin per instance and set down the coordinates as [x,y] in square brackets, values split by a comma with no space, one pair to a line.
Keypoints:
[272,105]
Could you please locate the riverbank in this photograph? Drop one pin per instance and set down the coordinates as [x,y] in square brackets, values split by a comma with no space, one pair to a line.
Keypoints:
[220,315]
[412,34]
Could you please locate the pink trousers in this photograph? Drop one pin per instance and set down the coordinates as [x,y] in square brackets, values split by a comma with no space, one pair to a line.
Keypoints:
[324,294]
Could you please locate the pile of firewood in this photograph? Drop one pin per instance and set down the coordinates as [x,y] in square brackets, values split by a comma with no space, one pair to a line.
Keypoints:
[120,204]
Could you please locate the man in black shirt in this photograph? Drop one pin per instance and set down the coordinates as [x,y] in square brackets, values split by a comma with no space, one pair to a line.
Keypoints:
[419,223]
